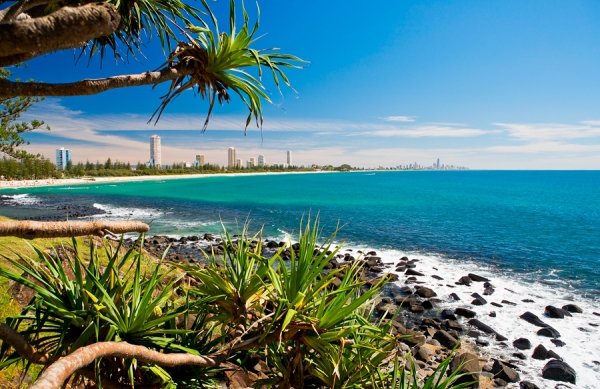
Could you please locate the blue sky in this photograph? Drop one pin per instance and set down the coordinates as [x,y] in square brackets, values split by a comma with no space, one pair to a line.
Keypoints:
[486,84]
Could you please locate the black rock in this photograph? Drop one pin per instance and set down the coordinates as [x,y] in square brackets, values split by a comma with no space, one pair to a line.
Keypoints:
[522,344]
[540,352]
[448,314]
[478,299]
[519,355]
[533,319]
[476,278]
[558,342]
[412,272]
[445,339]
[528,301]
[496,304]
[549,332]
[465,312]
[427,304]
[464,280]
[558,370]
[492,314]
[454,296]
[556,313]
[572,308]
[508,302]
[436,277]
[487,329]
[504,372]
[466,364]
[527,385]
[425,292]
[488,291]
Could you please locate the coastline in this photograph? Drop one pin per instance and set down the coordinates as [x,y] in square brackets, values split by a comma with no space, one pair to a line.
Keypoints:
[20,184]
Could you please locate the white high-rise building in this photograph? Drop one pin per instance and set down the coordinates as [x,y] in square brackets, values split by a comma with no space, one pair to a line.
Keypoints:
[155,154]
[289,158]
[261,161]
[63,156]
[231,160]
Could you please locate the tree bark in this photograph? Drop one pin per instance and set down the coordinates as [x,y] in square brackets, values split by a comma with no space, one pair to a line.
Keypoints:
[56,374]
[68,27]
[88,87]
[33,229]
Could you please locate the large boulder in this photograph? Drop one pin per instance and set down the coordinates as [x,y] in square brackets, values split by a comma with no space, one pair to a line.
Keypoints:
[556,313]
[527,385]
[477,278]
[464,312]
[533,319]
[478,299]
[445,339]
[549,332]
[487,329]
[558,370]
[425,292]
[572,308]
[540,352]
[412,272]
[467,364]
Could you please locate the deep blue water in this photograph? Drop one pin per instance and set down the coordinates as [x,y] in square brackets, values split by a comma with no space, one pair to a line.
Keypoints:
[542,223]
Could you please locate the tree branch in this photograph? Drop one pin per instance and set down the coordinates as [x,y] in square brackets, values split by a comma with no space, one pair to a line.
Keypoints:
[21,345]
[16,9]
[64,29]
[88,87]
[33,229]
[57,373]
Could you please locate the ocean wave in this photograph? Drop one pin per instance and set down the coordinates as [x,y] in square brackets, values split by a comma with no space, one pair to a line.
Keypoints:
[20,199]
[127,213]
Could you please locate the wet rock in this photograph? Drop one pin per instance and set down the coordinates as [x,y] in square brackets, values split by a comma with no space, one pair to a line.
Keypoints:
[503,371]
[488,291]
[453,325]
[437,277]
[448,314]
[412,272]
[487,329]
[549,332]
[425,354]
[467,364]
[386,309]
[445,339]
[558,342]
[508,302]
[464,312]
[519,355]
[492,314]
[477,278]
[556,313]
[528,301]
[496,304]
[527,385]
[572,308]
[454,296]
[522,344]
[478,299]
[425,292]
[427,304]
[533,319]
[558,370]
[540,352]
[464,280]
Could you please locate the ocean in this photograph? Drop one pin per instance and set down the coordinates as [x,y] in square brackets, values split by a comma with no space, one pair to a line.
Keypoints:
[532,232]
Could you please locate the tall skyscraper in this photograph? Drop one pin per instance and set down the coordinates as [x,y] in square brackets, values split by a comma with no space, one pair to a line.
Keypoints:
[289,158]
[231,160]
[200,160]
[155,155]
[261,161]
[63,156]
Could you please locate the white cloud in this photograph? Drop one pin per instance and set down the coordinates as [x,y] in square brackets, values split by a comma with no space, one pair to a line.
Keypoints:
[551,131]
[545,147]
[399,119]
[429,131]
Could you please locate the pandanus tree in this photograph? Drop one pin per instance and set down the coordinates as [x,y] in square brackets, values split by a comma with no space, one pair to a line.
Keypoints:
[198,54]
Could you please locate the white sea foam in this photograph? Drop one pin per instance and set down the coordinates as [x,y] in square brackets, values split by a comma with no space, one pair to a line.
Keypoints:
[20,199]
[127,213]
[581,337]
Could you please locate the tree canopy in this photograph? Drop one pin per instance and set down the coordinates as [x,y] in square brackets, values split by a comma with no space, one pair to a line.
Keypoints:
[199,55]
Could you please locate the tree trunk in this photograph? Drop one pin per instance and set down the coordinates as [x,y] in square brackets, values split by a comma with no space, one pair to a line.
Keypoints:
[68,27]
[20,344]
[33,229]
[56,374]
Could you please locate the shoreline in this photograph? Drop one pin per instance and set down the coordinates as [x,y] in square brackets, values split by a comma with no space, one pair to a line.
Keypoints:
[20,184]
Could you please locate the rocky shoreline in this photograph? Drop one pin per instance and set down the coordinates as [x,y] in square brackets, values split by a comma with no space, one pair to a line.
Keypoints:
[423,322]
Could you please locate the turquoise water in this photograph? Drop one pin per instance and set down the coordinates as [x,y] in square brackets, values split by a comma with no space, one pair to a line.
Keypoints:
[540,224]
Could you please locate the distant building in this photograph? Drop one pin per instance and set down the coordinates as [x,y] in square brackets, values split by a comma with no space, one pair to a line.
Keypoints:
[289,158]
[261,161]
[238,163]
[231,160]
[200,160]
[251,163]
[155,152]
[63,156]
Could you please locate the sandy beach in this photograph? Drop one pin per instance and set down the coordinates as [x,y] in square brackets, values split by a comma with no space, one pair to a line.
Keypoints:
[18,184]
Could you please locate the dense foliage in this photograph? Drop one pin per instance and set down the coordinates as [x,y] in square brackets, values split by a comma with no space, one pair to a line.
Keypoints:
[287,320]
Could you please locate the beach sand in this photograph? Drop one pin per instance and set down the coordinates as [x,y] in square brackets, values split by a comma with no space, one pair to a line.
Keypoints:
[17,184]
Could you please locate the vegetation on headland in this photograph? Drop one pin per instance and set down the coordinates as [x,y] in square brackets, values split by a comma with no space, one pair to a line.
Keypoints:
[288,320]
